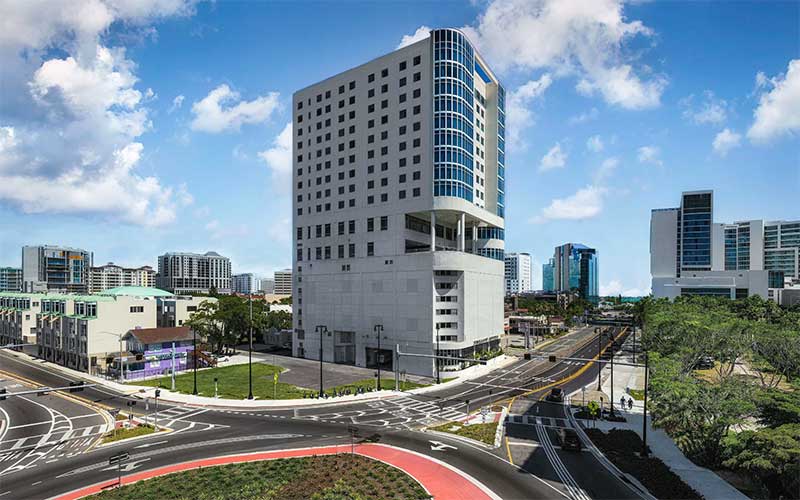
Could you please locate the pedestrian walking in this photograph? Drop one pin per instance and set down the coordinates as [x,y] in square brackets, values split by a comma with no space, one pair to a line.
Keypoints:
[622,402]
[630,403]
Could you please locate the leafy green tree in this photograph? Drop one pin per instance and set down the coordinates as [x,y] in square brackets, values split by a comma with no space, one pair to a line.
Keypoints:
[771,455]
[776,408]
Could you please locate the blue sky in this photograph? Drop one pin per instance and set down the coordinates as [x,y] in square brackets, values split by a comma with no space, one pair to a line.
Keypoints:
[131,129]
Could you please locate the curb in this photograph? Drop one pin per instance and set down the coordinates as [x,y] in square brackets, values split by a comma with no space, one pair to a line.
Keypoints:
[501,427]
[465,439]
[468,487]
[630,481]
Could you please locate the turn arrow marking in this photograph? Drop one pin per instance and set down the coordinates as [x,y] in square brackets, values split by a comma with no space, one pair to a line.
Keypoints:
[129,466]
[439,446]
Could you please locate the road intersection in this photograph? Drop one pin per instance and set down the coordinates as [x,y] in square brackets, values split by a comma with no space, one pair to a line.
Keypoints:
[529,466]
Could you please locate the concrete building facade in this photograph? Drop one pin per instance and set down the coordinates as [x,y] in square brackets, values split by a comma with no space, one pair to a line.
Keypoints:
[518,273]
[50,268]
[10,279]
[690,254]
[398,207]
[183,273]
[282,284]
[109,276]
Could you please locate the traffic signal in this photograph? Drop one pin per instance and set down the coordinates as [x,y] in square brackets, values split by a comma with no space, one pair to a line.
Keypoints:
[139,357]
[158,393]
[551,358]
[76,386]
[2,394]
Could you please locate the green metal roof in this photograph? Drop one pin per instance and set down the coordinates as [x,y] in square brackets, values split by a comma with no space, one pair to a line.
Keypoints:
[137,291]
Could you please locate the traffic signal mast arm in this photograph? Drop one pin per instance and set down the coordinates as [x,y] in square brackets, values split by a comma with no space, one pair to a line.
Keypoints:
[72,387]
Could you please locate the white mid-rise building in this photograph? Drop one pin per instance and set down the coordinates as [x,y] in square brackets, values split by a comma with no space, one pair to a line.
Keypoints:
[518,273]
[244,283]
[398,208]
[51,268]
[112,276]
[182,273]
[690,254]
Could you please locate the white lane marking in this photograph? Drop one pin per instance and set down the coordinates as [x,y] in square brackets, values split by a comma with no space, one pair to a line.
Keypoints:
[8,422]
[150,444]
[30,425]
[37,482]
[575,491]
[440,446]
[5,493]
[129,466]
[85,416]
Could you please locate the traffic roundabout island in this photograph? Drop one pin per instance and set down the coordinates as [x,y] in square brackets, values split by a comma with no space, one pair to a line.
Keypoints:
[374,471]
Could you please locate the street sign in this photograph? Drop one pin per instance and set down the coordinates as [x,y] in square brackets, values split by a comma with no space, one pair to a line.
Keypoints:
[119,457]
[352,429]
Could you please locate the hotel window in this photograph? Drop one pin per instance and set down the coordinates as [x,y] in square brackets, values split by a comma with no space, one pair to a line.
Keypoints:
[416,192]
[402,98]
[384,72]
[340,251]
[370,224]
[403,82]
[384,197]
[370,200]
[327,252]
[417,93]
[352,85]
[402,194]
[370,249]
[137,309]
[384,223]
[351,250]
[341,89]
[402,114]
[371,78]
[417,60]
[416,175]
[351,229]
[402,178]
[402,65]
[384,88]
[371,93]
[417,76]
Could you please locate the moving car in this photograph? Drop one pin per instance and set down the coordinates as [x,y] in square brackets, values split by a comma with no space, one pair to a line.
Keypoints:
[704,363]
[556,394]
[569,439]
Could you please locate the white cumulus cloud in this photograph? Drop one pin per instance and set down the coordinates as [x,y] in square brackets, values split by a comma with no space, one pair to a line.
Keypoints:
[725,141]
[222,109]
[586,38]
[584,204]
[518,112]
[616,288]
[177,102]
[554,158]
[279,159]
[712,111]
[422,33]
[778,111]
[73,145]
[649,154]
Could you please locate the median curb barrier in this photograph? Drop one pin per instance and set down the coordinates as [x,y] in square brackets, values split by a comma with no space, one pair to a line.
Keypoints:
[440,479]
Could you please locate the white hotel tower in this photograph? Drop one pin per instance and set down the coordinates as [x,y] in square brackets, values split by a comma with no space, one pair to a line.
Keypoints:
[398,185]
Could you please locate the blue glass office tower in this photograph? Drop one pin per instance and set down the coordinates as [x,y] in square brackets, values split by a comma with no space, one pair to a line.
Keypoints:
[547,276]
[695,218]
[576,270]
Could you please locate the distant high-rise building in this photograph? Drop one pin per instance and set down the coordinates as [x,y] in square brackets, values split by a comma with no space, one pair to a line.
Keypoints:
[112,276]
[194,273]
[576,269]
[50,268]
[266,285]
[10,279]
[244,283]
[399,206]
[282,284]
[690,254]
[548,285]
[517,273]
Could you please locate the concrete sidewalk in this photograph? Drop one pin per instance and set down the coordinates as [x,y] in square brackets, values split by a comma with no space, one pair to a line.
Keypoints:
[702,480]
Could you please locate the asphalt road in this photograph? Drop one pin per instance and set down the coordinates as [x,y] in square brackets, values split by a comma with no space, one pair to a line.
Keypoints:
[220,431]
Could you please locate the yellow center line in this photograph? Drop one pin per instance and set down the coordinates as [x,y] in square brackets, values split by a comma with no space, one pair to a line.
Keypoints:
[578,373]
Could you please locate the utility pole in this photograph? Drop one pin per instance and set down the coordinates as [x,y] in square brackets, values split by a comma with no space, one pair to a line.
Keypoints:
[644,415]
[611,402]
[379,330]
[250,349]
[121,373]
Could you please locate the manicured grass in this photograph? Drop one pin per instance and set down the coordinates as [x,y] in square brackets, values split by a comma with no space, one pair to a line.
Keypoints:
[141,430]
[234,383]
[636,394]
[320,478]
[479,432]
[622,447]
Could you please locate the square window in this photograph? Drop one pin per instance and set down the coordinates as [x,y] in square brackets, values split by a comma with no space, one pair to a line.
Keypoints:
[417,76]
[416,142]
[417,109]
[371,78]
[384,135]
[327,94]
[402,98]
[384,119]
[417,174]
[370,200]
[370,184]
[352,99]
[341,89]
[402,130]
[416,192]
[417,60]
[402,82]
[370,169]
[402,113]
[352,85]
[352,202]
[371,93]
[384,72]
[371,124]
[417,93]
[384,104]
[384,88]
[402,65]
[402,146]
[402,178]
[402,162]
[417,126]
[384,166]
[352,114]
[384,181]
[402,194]
[384,197]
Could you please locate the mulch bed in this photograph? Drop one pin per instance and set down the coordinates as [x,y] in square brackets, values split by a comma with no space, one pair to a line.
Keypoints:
[622,447]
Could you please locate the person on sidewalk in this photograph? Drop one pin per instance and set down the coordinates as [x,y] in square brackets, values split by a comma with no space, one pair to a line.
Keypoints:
[622,402]
[630,403]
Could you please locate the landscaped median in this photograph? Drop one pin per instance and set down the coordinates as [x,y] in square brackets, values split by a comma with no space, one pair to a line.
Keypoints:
[233,383]
[485,433]
[325,473]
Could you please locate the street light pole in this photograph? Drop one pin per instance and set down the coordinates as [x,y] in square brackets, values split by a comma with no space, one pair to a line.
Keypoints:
[321,329]
[379,329]
[194,350]
[250,349]
[644,415]
[438,379]
[599,364]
